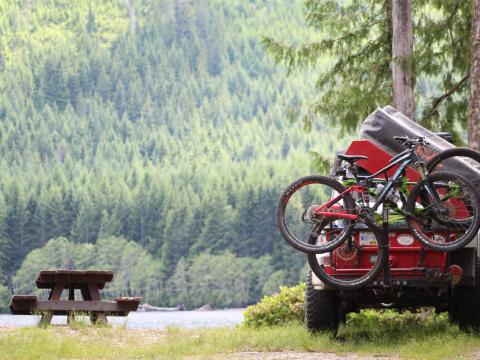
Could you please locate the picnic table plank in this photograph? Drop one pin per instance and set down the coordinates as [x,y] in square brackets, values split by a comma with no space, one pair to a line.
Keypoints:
[65,306]
[47,279]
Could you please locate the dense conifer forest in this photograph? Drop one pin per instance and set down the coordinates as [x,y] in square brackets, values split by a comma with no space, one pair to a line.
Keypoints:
[150,138]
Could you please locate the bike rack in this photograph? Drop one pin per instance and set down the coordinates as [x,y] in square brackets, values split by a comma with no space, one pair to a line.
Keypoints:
[386,268]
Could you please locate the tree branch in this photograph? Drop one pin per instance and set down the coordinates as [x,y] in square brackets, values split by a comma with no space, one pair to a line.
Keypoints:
[437,101]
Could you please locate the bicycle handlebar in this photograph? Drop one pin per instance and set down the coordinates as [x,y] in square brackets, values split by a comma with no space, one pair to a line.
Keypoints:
[400,139]
[410,143]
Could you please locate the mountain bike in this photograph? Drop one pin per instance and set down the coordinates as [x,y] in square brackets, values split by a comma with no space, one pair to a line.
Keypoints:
[316,214]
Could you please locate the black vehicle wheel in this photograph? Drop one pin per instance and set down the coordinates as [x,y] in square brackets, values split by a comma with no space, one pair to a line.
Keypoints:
[468,304]
[298,221]
[322,308]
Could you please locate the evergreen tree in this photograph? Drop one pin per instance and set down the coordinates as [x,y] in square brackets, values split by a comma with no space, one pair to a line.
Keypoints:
[154,137]
[359,40]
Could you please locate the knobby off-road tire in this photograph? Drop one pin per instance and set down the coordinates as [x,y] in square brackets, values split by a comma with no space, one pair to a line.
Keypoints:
[474,223]
[468,304]
[302,244]
[363,280]
[322,308]
[453,305]
[434,162]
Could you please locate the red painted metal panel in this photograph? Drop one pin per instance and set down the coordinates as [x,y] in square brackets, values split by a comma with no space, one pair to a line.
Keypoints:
[404,259]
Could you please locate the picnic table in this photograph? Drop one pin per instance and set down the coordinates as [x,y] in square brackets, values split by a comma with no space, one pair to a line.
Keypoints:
[88,282]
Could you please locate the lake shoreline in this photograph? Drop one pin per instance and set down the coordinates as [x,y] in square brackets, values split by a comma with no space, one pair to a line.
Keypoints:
[147,319]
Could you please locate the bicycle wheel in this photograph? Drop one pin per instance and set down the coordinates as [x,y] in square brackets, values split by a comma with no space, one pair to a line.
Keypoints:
[435,162]
[354,264]
[454,222]
[297,219]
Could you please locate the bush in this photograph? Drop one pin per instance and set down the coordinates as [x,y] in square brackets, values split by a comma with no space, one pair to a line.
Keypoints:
[278,309]
[288,306]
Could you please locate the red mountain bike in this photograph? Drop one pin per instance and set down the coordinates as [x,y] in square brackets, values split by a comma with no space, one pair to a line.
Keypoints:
[316,214]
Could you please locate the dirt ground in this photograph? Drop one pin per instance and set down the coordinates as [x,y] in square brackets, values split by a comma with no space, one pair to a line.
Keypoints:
[288,355]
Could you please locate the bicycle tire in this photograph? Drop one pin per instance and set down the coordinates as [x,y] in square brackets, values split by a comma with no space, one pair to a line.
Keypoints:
[474,205]
[454,152]
[304,245]
[360,282]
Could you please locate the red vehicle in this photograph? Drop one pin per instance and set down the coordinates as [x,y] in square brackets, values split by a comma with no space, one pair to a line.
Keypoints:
[415,276]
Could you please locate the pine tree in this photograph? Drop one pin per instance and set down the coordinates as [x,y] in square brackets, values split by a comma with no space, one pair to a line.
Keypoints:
[55,87]
[108,133]
[179,283]
[91,27]
[360,41]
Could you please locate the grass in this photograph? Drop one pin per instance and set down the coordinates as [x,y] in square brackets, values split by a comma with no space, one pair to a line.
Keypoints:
[364,334]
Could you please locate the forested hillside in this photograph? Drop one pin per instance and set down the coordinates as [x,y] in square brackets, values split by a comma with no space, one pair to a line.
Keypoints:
[160,126]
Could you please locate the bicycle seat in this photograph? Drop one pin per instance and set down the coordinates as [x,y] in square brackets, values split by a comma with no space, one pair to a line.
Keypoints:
[351,158]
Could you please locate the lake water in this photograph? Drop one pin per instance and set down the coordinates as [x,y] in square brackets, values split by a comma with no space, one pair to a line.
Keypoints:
[147,320]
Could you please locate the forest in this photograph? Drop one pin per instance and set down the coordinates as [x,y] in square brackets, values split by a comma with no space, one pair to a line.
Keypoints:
[151,138]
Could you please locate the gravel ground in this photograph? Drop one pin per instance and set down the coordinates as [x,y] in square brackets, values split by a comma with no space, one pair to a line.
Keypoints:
[284,355]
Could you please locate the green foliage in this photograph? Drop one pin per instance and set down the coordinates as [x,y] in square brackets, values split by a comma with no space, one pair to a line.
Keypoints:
[356,39]
[222,280]
[278,309]
[5,296]
[136,272]
[321,164]
[227,280]
[274,282]
[170,136]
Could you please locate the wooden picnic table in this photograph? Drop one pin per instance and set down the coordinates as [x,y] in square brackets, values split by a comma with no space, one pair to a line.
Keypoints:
[89,282]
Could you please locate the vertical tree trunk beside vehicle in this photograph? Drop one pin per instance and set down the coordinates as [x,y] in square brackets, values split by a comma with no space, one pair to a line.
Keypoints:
[474,103]
[402,49]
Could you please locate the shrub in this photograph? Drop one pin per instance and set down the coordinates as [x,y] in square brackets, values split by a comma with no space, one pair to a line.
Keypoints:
[278,309]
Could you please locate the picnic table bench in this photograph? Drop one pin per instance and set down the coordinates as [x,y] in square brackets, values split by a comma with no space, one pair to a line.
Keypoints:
[88,282]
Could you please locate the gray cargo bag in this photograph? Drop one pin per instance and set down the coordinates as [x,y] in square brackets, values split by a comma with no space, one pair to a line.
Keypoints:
[383,124]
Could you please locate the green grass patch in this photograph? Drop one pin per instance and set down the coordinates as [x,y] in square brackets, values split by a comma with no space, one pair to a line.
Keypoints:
[406,336]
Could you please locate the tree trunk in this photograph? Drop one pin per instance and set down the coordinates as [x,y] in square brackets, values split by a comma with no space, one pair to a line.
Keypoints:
[474,104]
[402,64]
[133,17]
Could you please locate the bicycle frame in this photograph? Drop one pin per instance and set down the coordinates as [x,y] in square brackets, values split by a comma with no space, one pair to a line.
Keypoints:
[405,158]
[405,161]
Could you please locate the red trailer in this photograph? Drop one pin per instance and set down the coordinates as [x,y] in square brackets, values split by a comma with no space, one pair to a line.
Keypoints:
[416,277]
